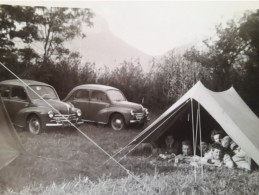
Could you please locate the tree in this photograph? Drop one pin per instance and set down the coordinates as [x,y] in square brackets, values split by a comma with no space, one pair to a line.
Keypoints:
[249,30]
[128,77]
[223,56]
[17,31]
[57,25]
[232,57]
[33,43]
[173,75]
[36,35]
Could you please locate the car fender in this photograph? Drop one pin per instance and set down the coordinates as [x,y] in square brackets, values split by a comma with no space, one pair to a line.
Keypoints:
[23,114]
[125,112]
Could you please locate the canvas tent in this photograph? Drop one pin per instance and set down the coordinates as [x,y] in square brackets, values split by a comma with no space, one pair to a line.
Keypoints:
[10,146]
[217,109]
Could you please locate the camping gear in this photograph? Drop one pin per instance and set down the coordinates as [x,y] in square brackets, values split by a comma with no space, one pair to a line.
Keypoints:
[206,109]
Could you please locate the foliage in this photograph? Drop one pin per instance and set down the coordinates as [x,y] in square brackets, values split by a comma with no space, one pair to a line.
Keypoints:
[174,75]
[249,31]
[17,32]
[232,58]
[128,77]
[32,43]
[229,59]
[57,25]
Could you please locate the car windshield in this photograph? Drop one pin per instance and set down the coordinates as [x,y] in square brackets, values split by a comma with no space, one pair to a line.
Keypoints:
[115,95]
[45,92]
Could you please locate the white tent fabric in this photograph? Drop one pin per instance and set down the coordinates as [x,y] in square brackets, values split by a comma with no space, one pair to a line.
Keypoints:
[230,112]
[10,146]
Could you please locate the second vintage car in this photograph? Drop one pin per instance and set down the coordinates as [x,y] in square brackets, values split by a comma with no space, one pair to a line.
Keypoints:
[36,105]
[106,105]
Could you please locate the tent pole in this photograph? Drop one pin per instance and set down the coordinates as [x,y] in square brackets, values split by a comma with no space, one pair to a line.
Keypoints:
[200,136]
[196,131]
[192,123]
[193,136]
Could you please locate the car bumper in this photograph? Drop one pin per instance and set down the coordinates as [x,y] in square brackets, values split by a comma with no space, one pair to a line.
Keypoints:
[140,121]
[64,121]
[63,124]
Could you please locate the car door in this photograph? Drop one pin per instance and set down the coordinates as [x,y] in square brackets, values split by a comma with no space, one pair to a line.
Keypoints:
[5,95]
[17,101]
[98,106]
[80,99]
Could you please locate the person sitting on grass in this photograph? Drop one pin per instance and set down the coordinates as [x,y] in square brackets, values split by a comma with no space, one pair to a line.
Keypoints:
[172,145]
[186,148]
[240,158]
[225,143]
[217,157]
[186,152]
[203,148]
[216,136]
[171,149]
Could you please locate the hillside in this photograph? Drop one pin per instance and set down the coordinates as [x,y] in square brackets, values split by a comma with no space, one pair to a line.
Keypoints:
[104,48]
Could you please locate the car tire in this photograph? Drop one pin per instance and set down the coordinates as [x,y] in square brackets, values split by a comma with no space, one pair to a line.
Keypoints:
[117,122]
[34,124]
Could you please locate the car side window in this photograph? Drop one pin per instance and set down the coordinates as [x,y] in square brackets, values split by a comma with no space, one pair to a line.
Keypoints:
[18,93]
[99,96]
[82,95]
[5,91]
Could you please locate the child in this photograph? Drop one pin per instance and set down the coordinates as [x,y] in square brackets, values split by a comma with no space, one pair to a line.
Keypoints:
[204,148]
[186,148]
[186,152]
[225,142]
[217,157]
[240,158]
[216,136]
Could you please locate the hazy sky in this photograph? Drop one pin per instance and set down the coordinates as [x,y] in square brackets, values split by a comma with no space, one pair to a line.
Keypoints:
[155,27]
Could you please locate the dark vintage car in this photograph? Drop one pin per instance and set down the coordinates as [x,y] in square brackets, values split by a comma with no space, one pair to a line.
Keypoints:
[106,105]
[36,105]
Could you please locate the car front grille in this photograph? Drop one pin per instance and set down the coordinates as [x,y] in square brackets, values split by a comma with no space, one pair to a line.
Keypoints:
[139,116]
[64,118]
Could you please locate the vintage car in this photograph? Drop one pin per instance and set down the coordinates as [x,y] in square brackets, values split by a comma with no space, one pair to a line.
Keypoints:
[106,105]
[36,105]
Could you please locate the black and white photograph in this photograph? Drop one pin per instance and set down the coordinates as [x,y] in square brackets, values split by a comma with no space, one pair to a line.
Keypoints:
[129,97]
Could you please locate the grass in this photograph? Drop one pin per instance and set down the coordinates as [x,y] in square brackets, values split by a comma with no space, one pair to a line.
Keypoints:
[74,165]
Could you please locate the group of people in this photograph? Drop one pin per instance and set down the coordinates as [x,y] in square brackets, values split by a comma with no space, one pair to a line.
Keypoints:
[221,151]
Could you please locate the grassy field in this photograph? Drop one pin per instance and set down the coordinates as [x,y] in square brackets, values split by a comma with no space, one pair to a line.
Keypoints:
[74,165]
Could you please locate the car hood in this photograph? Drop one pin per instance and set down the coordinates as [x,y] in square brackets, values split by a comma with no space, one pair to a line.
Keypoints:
[62,107]
[131,105]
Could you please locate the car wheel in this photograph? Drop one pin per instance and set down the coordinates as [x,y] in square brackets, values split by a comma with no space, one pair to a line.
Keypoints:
[117,122]
[34,124]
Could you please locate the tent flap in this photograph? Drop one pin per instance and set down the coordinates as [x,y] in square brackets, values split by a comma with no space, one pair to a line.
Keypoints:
[10,146]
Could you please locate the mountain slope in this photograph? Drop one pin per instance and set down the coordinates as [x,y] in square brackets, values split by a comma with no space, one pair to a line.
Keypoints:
[104,48]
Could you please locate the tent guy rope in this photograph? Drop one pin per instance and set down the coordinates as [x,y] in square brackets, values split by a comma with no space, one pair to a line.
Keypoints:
[143,138]
[85,135]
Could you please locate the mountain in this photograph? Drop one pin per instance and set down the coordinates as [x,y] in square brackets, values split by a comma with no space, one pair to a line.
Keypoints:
[102,47]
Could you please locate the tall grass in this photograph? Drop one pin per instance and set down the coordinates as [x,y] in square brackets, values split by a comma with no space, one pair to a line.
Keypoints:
[174,182]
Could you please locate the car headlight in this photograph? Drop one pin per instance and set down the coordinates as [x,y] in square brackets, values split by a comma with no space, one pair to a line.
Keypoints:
[78,112]
[131,113]
[51,114]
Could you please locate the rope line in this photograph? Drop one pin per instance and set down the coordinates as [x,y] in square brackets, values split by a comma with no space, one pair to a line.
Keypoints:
[134,139]
[152,131]
[85,135]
